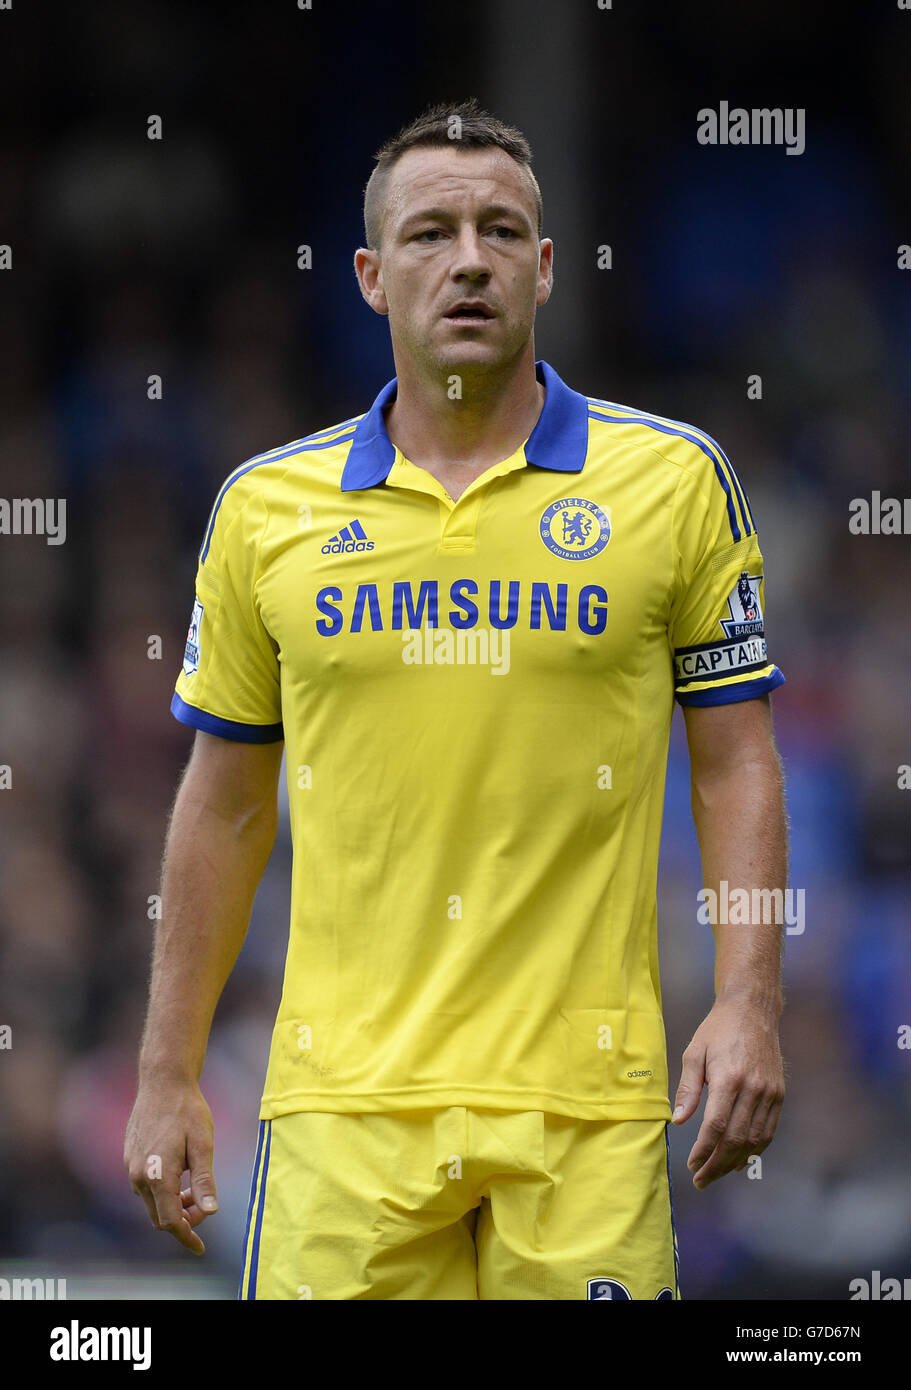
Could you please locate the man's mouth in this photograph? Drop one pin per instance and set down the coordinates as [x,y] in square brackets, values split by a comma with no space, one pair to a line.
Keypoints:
[469,313]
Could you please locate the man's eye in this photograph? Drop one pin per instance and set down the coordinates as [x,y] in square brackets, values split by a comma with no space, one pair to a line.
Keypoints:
[508,230]
[431,231]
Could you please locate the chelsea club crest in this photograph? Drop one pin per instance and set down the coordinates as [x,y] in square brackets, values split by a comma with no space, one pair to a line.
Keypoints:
[575,528]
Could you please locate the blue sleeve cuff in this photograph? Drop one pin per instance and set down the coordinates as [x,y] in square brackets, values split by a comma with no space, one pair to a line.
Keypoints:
[729,694]
[224,728]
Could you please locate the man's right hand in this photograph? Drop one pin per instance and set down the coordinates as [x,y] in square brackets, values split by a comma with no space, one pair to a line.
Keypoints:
[220,835]
[169,1133]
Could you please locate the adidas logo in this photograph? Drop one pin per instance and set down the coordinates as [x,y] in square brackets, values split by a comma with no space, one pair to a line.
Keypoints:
[350,537]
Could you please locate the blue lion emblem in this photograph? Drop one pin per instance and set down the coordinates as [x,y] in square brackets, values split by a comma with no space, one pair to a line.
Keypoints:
[576,527]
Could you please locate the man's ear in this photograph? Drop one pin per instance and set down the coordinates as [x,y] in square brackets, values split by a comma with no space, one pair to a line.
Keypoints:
[368,269]
[545,272]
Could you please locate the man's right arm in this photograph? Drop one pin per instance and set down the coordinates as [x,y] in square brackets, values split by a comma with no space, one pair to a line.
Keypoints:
[221,832]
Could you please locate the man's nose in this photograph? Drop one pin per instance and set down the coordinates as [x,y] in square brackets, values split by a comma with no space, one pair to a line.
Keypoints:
[470,256]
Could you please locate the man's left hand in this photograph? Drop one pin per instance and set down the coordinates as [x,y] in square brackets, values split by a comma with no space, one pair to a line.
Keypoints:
[735,1052]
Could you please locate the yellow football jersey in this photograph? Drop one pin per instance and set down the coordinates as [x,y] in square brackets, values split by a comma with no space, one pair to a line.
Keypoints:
[475,698]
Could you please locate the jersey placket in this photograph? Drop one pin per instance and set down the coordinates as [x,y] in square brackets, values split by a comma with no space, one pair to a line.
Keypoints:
[458,517]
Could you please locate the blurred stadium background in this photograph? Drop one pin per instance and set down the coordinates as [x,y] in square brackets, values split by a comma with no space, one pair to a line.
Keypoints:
[178,257]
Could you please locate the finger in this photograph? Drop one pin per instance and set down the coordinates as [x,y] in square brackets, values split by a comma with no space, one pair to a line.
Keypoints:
[171,1217]
[182,1231]
[692,1080]
[714,1123]
[190,1209]
[765,1122]
[141,1190]
[774,1116]
[202,1179]
[733,1146]
[761,1127]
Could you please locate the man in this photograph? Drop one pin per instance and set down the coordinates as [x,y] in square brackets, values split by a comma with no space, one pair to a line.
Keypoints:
[467,613]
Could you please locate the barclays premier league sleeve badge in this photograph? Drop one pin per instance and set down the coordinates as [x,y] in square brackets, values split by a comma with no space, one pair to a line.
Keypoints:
[191,654]
[745,609]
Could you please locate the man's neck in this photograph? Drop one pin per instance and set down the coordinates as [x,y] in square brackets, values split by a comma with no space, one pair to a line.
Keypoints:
[490,420]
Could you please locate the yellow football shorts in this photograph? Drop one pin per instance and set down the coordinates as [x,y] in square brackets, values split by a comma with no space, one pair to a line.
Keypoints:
[459,1204]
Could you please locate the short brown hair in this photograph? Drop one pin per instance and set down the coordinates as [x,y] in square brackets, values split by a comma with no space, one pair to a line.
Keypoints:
[477,129]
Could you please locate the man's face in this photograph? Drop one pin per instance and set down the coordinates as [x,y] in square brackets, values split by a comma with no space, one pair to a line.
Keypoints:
[459,225]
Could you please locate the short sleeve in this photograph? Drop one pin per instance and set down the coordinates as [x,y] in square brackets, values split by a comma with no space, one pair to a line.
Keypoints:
[717,623]
[230,683]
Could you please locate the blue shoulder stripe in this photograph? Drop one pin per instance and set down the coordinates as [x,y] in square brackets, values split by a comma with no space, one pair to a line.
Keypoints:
[683,434]
[333,429]
[745,508]
[286,451]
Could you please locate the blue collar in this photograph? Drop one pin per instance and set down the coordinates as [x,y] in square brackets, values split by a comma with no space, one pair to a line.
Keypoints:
[559,440]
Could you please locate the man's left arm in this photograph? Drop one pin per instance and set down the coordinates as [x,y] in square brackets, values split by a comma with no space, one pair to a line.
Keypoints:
[738,808]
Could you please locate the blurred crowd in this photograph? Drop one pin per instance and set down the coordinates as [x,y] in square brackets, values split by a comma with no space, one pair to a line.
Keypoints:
[134,259]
